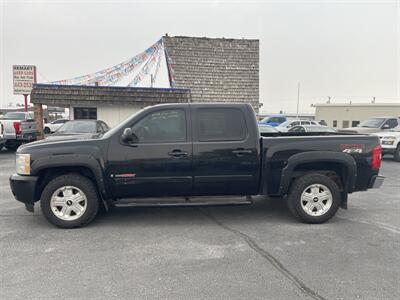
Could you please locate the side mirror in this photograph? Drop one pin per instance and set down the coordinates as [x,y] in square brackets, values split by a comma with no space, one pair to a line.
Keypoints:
[386,126]
[128,136]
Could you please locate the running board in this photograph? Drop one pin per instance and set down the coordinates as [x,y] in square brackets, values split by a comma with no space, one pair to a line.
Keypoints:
[152,203]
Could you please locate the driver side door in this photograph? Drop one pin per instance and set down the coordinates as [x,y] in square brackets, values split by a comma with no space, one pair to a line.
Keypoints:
[159,163]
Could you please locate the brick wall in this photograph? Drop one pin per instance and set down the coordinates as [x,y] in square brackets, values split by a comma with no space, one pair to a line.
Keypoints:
[216,70]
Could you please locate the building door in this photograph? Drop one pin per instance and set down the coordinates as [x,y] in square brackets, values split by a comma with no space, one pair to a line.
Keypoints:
[85,113]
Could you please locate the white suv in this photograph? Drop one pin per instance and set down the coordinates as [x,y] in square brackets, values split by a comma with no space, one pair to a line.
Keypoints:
[390,141]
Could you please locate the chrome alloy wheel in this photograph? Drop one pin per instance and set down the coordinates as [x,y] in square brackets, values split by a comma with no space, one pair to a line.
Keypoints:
[316,200]
[68,203]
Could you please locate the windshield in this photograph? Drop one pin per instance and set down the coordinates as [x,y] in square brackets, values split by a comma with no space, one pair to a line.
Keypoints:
[286,123]
[372,123]
[78,127]
[14,116]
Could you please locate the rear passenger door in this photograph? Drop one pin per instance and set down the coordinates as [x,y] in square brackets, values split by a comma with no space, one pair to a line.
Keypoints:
[225,151]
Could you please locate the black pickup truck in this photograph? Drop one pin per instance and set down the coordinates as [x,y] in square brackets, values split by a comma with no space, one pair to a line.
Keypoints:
[185,150]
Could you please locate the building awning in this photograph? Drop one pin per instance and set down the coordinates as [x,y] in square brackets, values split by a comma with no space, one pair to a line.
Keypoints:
[66,95]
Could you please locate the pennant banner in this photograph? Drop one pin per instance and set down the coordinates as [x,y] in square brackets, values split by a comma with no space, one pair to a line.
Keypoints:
[112,75]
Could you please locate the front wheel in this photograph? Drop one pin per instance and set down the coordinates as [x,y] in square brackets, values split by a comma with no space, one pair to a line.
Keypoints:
[396,155]
[314,198]
[46,130]
[70,201]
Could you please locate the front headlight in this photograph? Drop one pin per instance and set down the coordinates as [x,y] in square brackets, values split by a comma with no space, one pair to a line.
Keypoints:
[23,164]
[388,140]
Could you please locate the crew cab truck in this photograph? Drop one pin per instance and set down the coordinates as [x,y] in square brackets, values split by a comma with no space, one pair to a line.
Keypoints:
[18,128]
[190,150]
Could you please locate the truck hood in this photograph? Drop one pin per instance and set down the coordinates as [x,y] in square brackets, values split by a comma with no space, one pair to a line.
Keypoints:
[58,141]
[70,136]
[388,133]
[361,130]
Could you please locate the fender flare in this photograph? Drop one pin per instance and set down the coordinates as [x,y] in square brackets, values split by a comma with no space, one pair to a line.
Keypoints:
[72,160]
[319,156]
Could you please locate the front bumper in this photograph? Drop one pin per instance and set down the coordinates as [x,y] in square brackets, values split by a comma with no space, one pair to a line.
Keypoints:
[24,188]
[376,181]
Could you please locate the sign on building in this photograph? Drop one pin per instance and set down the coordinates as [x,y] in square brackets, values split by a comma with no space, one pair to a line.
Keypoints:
[24,76]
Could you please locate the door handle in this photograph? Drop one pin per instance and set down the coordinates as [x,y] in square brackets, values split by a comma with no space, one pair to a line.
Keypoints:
[240,152]
[178,153]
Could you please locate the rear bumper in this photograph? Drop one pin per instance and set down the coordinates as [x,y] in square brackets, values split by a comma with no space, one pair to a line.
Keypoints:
[23,137]
[24,188]
[376,181]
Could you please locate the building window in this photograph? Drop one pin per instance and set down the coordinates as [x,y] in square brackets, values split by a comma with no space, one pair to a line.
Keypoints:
[334,123]
[85,113]
[354,123]
[345,124]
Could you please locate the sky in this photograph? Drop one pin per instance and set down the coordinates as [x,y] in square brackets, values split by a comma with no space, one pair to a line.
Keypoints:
[348,50]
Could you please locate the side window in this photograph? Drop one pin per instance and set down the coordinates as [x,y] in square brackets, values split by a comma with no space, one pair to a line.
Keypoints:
[105,126]
[221,124]
[295,123]
[297,129]
[345,124]
[392,123]
[167,125]
[334,123]
[305,122]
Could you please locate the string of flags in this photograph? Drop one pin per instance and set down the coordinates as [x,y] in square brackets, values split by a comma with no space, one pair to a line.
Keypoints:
[144,64]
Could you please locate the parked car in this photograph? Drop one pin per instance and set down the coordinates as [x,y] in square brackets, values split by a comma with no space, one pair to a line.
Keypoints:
[373,125]
[18,128]
[2,140]
[311,128]
[79,127]
[267,129]
[53,126]
[285,126]
[390,141]
[193,150]
[273,120]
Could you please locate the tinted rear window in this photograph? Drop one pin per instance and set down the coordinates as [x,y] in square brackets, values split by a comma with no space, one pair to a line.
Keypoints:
[221,124]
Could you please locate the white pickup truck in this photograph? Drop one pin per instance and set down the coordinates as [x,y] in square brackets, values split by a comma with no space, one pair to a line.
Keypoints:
[390,141]
[17,128]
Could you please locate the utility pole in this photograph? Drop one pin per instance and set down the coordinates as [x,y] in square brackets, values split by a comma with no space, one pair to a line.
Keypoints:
[298,99]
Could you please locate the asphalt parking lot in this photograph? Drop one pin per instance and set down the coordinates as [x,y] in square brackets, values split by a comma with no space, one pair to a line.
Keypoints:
[252,252]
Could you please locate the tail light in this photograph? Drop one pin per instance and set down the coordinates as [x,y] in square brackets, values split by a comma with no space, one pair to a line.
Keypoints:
[376,157]
[17,127]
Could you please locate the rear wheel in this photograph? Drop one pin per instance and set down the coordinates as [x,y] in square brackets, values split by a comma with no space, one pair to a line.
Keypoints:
[397,153]
[70,201]
[314,198]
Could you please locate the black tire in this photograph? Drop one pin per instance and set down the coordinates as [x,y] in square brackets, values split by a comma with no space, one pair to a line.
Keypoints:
[396,154]
[74,180]
[46,130]
[12,145]
[300,185]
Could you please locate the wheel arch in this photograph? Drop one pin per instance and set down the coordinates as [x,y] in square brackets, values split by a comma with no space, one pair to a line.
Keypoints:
[325,162]
[48,168]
